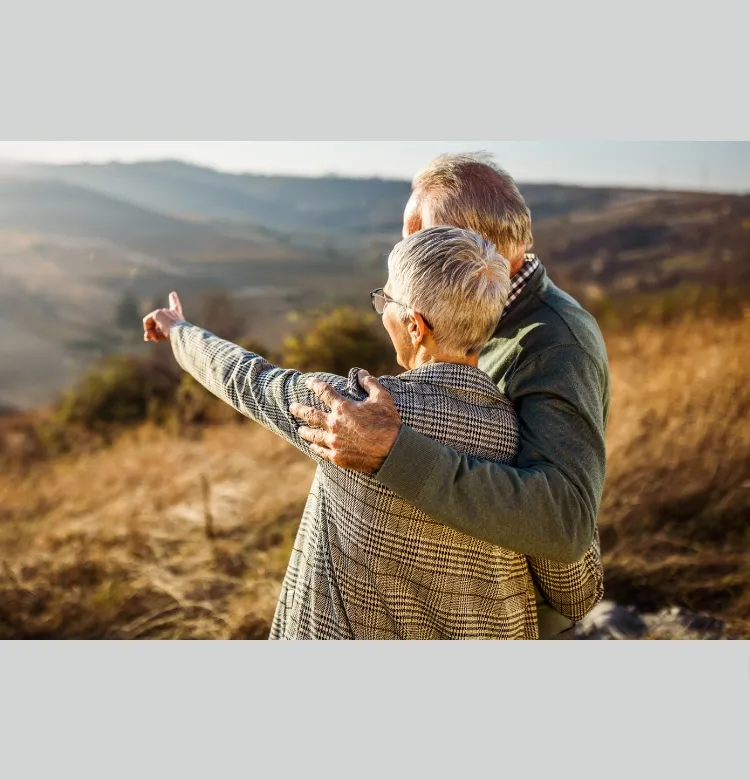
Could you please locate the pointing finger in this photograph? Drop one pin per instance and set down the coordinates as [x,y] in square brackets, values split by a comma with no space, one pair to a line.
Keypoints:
[174,303]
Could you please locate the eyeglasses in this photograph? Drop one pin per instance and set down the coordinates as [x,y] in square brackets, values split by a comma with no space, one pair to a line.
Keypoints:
[379,300]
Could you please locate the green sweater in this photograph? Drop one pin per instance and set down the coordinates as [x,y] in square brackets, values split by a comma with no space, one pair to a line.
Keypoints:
[548,356]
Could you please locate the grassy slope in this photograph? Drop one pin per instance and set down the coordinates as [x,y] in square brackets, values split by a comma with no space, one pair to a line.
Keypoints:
[113,543]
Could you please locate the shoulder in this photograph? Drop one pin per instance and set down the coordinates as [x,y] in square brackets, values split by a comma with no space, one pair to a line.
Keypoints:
[555,324]
[351,389]
[571,323]
[469,392]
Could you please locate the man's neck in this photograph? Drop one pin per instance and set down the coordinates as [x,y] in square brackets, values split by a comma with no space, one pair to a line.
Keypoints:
[517,263]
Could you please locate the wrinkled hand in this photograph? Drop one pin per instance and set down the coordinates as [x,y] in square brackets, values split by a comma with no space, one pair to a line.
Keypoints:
[156,326]
[355,435]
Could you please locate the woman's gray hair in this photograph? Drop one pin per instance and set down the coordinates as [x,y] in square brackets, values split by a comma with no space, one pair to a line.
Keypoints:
[473,192]
[456,280]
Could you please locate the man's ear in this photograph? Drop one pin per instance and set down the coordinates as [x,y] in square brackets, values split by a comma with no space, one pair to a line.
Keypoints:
[412,217]
[413,223]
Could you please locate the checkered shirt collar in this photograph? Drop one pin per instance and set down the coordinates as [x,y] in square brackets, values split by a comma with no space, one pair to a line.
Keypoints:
[518,282]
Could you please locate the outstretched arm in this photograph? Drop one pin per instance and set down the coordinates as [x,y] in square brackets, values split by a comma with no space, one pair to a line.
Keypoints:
[244,380]
[546,506]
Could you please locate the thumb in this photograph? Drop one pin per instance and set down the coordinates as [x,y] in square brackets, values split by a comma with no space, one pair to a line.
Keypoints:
[372,387]
[174,303]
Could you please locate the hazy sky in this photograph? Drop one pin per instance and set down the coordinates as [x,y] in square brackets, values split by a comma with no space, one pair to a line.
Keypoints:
[690,165]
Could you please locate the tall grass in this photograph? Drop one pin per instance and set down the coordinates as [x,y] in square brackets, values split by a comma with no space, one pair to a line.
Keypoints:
[187,534]
[676,514]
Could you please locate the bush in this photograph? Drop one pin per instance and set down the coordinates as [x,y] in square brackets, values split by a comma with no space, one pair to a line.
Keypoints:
[337,341]
[119,391]
[194,405]
[125,390]
[665,307]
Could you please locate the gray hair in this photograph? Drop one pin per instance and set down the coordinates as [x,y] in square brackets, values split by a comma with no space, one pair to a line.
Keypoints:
[471,191]
[456,280]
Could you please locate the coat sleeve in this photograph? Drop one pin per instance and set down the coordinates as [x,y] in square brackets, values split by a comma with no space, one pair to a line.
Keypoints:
[547,505]
[248,382]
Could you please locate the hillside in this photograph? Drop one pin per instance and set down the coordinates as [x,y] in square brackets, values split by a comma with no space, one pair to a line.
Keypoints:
[653,242]
[187,533]
[57,207]
[74,240]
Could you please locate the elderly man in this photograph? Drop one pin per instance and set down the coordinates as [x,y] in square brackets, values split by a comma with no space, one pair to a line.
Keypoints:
[367,564]
[547,354]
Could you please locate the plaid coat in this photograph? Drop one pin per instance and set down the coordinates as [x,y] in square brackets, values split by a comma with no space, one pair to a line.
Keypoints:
[366,564]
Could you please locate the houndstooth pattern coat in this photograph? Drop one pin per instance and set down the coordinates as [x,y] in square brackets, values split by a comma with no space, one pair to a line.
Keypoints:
[366,564]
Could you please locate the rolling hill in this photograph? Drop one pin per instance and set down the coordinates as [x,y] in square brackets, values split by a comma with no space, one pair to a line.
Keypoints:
[52,207]
[75,239]
[282,204]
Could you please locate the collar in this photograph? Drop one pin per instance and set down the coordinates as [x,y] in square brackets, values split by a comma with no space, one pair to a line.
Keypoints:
[454,376]
[519,280]
[457,376]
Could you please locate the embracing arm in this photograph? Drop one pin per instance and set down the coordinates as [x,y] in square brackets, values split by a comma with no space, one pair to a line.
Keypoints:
[547,505]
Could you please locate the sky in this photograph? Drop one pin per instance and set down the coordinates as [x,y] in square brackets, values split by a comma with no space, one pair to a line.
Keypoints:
[723,167]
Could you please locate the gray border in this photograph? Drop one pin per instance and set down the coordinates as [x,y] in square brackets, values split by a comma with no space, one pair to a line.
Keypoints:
[585,70]
[216,709]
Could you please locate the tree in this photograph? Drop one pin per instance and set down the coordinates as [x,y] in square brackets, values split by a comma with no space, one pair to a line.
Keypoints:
[128,314]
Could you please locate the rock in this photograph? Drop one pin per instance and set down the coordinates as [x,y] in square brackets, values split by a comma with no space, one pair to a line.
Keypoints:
[679,623]
[609,620]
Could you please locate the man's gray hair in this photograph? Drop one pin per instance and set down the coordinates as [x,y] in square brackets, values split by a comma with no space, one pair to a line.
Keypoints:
[456,280]
[473,192]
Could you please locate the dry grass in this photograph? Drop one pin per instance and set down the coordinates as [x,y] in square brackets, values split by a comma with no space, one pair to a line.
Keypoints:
[676,513]
[114,543]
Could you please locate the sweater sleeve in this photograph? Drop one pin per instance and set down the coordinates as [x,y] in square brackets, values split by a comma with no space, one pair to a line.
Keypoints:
[547,505]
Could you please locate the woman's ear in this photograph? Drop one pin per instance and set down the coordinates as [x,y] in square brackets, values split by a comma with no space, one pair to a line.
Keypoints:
[417,328]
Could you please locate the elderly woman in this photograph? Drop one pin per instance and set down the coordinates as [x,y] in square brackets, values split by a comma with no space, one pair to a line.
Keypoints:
[366,564]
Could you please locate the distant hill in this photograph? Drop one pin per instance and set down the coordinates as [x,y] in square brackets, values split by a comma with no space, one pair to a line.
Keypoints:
[652,242]
[58,207]
[286,204]
[289,204]
[616,238]
[74,239]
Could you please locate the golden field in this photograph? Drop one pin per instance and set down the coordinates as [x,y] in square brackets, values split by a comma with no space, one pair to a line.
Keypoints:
[186,533]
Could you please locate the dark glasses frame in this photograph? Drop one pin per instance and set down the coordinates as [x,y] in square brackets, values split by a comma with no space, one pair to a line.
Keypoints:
[380,294]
